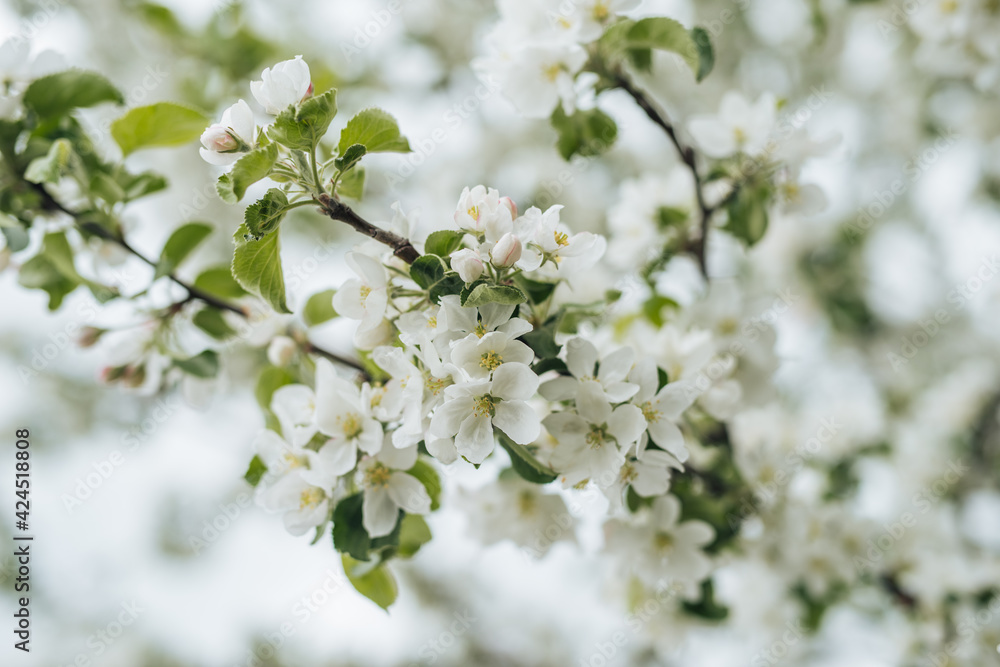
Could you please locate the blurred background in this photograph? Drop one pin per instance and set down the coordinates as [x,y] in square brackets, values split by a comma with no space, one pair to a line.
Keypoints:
[149,550]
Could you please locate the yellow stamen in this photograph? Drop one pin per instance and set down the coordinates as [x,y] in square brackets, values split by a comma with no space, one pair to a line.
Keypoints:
[561,239]
[490,360]
[377,476]
[351,425]
[310,498]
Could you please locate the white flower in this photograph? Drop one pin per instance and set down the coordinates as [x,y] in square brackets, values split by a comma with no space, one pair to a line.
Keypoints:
[581,360]
[481,356]
[364,298]
[592,442]
[482,210]
[537,77]
[506,251]
[546,237]
[662,548]
[281,350]
[279,455]
[18,69]
[305,504]
[468,263]
[663,408]
[285,84]
[226,141]
[636,225]
[387,490]
[739,126]
[471,410]
[345,417]
[402,396]
[462,322]
[295,407]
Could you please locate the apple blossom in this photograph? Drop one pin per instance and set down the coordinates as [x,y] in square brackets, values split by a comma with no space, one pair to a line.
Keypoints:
[283,85]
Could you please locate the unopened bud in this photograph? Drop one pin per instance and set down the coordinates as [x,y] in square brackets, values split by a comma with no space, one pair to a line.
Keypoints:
[468,263]
[281,350]
[506,251]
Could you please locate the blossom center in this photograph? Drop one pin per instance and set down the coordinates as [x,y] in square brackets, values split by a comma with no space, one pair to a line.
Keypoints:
[552,72]
[434,385]
[562,239]
[949,6]
[490,360]
[601,11]
[310,498]
[351,425]
[739,135]
[377,476]
[365,291]
[663,541]
[473,213]
[480,330]
[484,406]
[526,504]
[597,436]
[432,322]
[650,413]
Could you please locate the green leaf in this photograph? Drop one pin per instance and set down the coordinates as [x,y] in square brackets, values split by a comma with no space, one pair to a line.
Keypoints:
[374,129]
[249,169]
[706,607]
[653,307]
[257,267]
[525,464]
[429,477]
[319,308]
[427,270]
[706,54]
[586,133]
[219,282]
[57,94]
[203,365]
[350,158]
[156,125]
[349,534]
[255,472]
[413,534]
[486,293]
[352,184]
[542,340]
[377,584]
[444,242]
[748,217]
[180,244]
[661,33]
[302,128]
[451,283]
[536,290]
[550,364]
[211,321]
[271,379]
[48,270]
[264,215]
[53,166]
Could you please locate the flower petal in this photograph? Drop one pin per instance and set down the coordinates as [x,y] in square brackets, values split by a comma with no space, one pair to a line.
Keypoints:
[379,512]
[409,493]
[518,420]
[514,381]
[474,440]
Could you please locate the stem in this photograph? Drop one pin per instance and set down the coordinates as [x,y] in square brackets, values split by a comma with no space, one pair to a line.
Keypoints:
[52,204]
[401,247]
[686,153]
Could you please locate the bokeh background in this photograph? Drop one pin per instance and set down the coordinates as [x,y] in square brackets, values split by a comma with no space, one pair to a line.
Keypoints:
[864,272]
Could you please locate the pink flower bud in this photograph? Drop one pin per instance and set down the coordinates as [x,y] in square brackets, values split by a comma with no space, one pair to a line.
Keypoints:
[510,205]
[506,251]
[468,264]
[89,336]
[218,138]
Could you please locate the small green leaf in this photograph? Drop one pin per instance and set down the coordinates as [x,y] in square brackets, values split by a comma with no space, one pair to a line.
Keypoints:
[57,94]
[451,283]
[525,464]
[255,472]
[271,379]
[486,293]
[350,536]
[706,54]
[443,242]
[375,583]
[264,215]
[374,129]
[429,477]
[586,133]
[536,290]
[664,34]
[427,270]
[413,534]
[219,282]
[319,308]
[180,244]
[203,365]
[257,267]
[44,271]
[211,321]
[747,209]
[249,169]
[352,184]
[157,125]
[542,340]
[350,158]
[53,166]
[302,128]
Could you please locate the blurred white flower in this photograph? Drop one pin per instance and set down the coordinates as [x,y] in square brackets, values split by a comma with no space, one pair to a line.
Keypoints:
[387,489]
[739,126]
[283,85]
[365,297]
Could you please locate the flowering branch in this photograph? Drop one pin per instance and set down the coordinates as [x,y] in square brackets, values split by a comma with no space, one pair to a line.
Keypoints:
[337,210]
[194,293]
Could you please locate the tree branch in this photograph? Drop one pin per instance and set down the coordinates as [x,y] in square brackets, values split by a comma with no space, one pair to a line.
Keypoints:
[337,210]
[686,153]
[52,204]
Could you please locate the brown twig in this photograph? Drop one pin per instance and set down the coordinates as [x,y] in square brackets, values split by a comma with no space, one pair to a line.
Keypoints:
[686,153]
[337,210]
[52,204]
